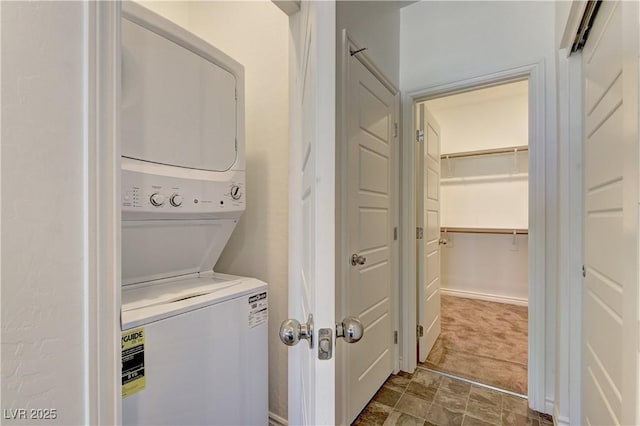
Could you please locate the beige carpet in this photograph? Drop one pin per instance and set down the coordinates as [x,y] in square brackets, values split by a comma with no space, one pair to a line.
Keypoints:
[482,341]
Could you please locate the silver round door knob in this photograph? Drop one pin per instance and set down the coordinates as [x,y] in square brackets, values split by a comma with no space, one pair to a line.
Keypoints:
[358,260]
[290,332]
[351,329]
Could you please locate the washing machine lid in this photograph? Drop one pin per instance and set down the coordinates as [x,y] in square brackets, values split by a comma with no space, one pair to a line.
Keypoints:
[146,303]
[179,103]
[159,249]
[172,291]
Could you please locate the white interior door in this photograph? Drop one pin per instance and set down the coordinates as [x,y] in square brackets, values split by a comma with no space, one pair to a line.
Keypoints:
[429,286]
[610,329]
[370,118]
[312,208]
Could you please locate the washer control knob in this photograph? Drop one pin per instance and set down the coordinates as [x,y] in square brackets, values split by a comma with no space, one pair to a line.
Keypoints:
[235,192]
[176,200]
[157,199]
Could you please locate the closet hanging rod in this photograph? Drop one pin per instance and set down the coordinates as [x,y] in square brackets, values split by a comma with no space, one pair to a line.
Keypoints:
[507,150]
[505,231]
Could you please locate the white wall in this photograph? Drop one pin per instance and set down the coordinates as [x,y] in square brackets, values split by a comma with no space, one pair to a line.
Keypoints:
[495,117]
[484,192]
[175,11]
[376,26]
[488,267]
[255,33]
[43,256]
[445,42]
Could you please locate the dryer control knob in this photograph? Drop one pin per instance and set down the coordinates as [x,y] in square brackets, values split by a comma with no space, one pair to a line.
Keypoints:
[176,200]
[157,199]
[235,192]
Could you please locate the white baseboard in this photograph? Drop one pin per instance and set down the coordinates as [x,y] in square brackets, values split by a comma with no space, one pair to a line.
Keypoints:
[484,296]
[276,420]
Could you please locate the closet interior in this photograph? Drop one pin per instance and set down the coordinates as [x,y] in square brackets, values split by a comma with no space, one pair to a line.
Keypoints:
[484,212]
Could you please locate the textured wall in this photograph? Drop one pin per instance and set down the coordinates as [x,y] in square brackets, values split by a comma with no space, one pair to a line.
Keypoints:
[43,290]
[256,34]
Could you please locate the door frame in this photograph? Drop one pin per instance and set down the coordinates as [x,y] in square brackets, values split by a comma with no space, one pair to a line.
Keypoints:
[101,128]
[345,43]
[538,333]
[568,395]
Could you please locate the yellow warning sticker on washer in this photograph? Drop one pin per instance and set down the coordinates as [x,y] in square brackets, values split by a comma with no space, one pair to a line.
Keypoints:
[133,379]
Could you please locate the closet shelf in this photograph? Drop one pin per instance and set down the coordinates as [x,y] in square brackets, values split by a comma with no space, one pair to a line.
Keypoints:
[482,179]
[508,231]
[507,150]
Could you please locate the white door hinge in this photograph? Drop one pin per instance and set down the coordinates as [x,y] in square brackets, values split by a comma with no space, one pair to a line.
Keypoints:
[419,233]
[420,331]
[420,135]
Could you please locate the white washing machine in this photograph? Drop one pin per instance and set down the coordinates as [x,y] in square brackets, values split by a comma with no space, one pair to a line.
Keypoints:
[194,342]
[204,345]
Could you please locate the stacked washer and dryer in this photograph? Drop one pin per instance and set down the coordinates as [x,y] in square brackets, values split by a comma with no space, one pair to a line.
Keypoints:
[194,341]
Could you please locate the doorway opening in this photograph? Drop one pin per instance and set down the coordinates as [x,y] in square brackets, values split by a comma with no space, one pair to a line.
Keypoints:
[472,192]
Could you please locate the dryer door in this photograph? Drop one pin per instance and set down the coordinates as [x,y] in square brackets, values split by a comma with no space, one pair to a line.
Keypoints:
[178,108]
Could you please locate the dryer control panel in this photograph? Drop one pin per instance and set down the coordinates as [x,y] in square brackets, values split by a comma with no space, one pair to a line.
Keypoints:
[168,197]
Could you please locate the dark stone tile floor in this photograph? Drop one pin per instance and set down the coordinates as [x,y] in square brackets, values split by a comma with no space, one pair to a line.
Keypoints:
[427,398]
